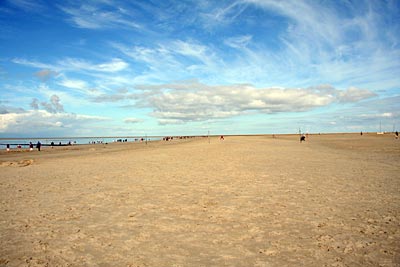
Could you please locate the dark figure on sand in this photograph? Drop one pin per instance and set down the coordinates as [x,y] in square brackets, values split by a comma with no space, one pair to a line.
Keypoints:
[38,145]
[302,138]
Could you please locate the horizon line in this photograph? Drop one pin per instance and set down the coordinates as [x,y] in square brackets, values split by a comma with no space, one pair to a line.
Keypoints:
[158,136]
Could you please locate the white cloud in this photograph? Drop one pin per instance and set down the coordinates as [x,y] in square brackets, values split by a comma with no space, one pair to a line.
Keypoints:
[115,65]
[193,101]
[32,63]
[74,84]
[379,115]
[387,114]
[42,120]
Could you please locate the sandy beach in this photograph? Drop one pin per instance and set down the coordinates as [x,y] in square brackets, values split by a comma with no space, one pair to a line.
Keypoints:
[333,200]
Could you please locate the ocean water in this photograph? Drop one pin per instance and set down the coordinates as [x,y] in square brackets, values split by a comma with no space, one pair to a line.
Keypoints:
[24,142]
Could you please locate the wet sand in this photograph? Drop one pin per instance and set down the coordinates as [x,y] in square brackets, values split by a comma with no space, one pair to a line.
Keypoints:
[245,201]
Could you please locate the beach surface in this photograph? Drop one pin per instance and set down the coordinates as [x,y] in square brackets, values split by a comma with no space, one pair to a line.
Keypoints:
[333,200]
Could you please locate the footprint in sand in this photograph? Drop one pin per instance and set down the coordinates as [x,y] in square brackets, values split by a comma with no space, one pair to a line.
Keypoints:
[21,163]
[25,162]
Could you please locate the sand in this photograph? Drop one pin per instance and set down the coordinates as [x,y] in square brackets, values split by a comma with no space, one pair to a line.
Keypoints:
[245,201]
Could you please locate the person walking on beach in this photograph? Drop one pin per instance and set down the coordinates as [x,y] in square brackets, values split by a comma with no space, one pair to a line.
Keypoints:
[396,135]
[8,147]
[302,138]
[30,146]
[38,145]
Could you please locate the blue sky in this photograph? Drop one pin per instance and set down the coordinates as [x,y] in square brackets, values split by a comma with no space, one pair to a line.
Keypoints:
[109,67]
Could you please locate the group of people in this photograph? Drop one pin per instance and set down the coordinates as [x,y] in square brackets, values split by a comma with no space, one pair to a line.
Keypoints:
[38,146]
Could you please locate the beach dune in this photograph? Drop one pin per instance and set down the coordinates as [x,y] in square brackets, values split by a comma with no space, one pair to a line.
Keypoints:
[333,200]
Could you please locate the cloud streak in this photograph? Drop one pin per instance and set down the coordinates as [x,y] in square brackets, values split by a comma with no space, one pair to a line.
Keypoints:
[347,52]
[99,15]
[132,120]
[28,5]
[76,65]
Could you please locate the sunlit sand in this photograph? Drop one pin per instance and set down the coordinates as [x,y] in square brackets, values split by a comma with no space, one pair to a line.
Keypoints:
[333,200]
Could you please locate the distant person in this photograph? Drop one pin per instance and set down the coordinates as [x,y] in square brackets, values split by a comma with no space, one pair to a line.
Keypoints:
[38,145]
[222,138]
[302,138]
[396,135]
[30,146]
[361,133]
[8,147]
[52,144]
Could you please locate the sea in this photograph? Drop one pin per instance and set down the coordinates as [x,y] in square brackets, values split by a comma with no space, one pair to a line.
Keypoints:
[64,141]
